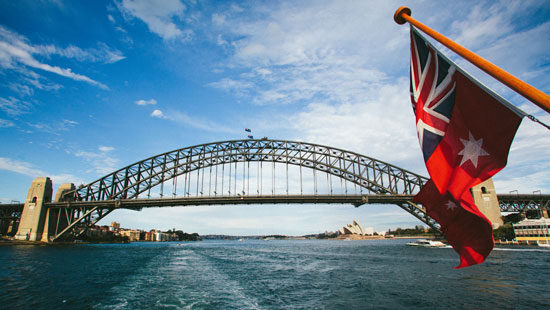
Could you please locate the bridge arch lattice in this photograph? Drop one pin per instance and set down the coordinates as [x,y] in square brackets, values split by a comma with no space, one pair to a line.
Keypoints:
[370,175]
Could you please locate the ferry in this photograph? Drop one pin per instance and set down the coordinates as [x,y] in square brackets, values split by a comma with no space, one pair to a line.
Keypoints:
[427,243]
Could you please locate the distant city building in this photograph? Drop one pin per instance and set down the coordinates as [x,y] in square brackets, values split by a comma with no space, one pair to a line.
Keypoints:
[151,235]
[114,231]
[158,236]
[132,234]
[99,231]
[115,226]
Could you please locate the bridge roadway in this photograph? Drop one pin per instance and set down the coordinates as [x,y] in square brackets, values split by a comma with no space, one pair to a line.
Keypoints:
[507,202]
[138,204]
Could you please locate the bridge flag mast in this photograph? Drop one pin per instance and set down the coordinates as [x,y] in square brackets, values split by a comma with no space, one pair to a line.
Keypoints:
[465,133]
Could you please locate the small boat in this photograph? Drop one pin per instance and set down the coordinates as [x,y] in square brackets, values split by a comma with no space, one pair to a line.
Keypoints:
[543,244]
[427,243]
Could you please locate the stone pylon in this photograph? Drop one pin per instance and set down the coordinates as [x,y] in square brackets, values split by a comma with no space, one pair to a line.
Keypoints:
[34,212]
[485,198]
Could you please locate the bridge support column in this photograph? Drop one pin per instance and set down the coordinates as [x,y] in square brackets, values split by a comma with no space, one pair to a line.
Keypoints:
[12,228]
[55,222]
[7,226]
[33,216]
[485,197]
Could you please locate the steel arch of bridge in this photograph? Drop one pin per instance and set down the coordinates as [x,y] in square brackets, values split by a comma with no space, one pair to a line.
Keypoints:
[371,175]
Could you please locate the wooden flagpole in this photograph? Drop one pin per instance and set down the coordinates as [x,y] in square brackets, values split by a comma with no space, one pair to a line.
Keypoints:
[403,14]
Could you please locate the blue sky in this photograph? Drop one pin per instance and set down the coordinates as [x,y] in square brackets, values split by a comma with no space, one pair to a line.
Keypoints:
[88,87]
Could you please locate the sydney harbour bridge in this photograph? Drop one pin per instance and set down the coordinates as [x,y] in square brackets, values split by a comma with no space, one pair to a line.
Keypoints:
[253,171]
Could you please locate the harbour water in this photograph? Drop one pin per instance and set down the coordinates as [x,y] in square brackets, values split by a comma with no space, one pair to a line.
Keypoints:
[278,274]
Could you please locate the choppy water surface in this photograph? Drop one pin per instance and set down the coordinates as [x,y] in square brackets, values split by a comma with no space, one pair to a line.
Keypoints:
[255,274]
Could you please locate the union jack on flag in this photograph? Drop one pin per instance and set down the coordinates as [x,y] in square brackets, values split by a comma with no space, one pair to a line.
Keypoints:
[432,93]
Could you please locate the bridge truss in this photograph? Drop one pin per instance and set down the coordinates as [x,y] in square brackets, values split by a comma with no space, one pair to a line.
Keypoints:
[249,172]
[523,202]
[240,169]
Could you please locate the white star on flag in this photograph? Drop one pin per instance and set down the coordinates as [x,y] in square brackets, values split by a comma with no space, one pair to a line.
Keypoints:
[472,150]
[451,205]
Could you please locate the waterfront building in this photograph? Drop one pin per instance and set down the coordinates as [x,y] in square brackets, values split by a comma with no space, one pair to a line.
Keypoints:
[150,235]
[114,226]
[533,231]
[158,236]
[132,234]
[98,231]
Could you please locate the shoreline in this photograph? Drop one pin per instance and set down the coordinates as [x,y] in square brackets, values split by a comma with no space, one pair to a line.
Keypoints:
[8,242]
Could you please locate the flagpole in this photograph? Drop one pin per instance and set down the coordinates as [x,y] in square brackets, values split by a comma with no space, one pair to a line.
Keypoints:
[403,14]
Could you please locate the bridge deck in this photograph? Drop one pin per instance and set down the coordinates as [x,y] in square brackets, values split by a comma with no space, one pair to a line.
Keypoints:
[356,200]
[508,202]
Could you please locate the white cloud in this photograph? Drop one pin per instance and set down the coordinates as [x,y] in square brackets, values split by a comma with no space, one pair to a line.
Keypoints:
[66,72]
[16,50]
[19,167]
[69,123]
[198,122]
[299,58]
[102,53]
[158,114]
[106,148]
[66,178]
[221,41]
[159,15]
[14,106]
[146,102]
[381,127]
[4,123]
[528,167]
[27,169]
[32,79]
[22,89]
[218,19]
[102,163]
[192,121]
[316,35]
[54,127]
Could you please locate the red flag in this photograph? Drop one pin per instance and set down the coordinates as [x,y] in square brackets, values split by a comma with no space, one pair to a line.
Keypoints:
[465,132]
[477,140]
[468,231]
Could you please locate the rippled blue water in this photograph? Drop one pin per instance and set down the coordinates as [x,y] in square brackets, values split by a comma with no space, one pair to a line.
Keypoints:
[255,274]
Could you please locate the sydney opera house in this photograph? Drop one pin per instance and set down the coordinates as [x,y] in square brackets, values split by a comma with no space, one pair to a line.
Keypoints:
[356,229]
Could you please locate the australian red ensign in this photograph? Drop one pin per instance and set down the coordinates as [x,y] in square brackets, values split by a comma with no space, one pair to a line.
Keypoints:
[465,132]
